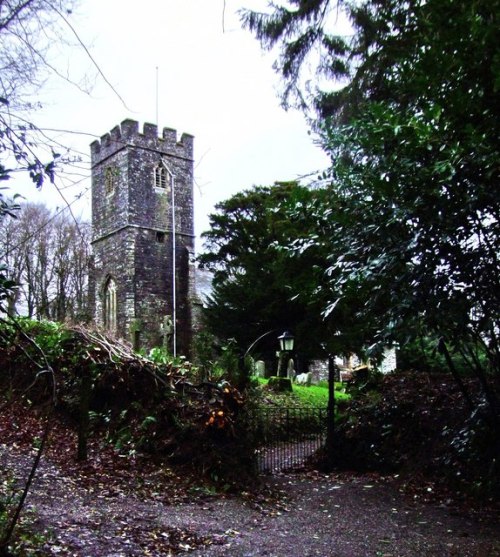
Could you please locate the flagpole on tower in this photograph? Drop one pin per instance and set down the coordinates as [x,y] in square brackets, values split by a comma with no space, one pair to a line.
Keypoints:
[157,122]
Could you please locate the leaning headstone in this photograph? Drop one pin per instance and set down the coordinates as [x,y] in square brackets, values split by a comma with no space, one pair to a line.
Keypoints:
[301,379]
[304,379]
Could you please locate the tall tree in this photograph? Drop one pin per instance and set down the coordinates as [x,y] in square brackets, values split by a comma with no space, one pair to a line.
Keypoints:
[413,135]
[29,29]
[269,251]
[255,284]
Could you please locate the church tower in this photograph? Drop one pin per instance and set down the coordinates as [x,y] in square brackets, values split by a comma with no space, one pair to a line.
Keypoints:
[142,280]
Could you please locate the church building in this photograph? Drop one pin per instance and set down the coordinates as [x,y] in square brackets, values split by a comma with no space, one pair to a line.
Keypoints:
[142,282]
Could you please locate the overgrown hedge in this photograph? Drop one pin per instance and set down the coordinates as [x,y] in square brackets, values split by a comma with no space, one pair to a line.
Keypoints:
[135,403]
[417,422]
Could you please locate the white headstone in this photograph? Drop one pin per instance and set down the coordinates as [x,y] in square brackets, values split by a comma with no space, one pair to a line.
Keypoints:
[260,368]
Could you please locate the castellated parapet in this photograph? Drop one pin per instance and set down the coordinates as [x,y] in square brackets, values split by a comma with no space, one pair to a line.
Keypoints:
[143,234]
[127,133]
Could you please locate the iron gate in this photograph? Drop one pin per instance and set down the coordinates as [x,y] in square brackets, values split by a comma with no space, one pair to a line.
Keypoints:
[286,437]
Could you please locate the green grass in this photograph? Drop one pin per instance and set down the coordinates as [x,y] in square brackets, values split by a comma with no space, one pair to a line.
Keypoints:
[315,395]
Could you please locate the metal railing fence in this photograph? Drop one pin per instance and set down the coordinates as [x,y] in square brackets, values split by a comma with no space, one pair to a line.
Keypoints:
[286,436]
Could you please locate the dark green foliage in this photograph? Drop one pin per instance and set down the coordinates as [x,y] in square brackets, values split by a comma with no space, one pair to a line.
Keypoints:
[413,199]
[423,354]
[204,354]
[417,170]
[220,361]
[299,32]
[418,424]
[268,269]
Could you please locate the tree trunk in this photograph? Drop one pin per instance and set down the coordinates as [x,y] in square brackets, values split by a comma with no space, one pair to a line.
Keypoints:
[443,349]
[83,425]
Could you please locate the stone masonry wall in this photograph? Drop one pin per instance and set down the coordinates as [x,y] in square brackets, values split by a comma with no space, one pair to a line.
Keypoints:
[132,230]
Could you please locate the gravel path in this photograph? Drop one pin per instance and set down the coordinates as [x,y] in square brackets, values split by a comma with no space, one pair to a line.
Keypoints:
[326,517]
[292,515]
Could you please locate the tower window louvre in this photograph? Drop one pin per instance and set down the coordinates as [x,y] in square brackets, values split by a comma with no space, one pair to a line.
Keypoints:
[110,180]
[162,176]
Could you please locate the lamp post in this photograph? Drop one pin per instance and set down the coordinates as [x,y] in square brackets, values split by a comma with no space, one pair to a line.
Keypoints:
[286,341]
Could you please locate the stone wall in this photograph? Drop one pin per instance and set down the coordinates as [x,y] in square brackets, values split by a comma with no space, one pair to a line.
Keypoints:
[319,368]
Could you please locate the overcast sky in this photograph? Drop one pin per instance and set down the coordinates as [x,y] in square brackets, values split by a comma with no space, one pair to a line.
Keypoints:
[214,82]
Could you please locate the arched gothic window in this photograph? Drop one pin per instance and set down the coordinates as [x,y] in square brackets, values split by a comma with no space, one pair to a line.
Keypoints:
[162,177]
[110,305]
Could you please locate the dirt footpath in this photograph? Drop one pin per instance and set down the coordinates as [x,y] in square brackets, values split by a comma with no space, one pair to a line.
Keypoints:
[300,515]
[327,517]
[292,515]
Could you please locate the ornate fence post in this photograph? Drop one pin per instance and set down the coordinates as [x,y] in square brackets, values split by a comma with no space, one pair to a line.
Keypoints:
[330,424]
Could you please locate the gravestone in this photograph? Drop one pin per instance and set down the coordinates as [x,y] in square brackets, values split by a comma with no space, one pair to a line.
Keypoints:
[260,368]
[304,379]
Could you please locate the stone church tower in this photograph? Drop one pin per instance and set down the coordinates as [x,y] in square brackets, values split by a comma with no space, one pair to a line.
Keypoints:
[142,280]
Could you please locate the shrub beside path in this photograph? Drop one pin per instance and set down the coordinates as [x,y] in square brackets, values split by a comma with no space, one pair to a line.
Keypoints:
[289,515]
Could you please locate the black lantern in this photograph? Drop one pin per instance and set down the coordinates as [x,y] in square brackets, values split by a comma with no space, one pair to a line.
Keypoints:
[286,341]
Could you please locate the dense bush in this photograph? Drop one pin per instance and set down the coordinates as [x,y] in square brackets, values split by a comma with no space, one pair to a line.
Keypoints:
[422,353]
[419,423]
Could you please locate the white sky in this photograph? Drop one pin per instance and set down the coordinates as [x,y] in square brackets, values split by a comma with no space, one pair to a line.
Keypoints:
[213,82]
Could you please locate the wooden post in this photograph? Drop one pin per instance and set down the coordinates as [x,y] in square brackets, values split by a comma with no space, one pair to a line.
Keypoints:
[83,424]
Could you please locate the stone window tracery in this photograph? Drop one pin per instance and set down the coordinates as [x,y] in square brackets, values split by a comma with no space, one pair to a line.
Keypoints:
[110,305]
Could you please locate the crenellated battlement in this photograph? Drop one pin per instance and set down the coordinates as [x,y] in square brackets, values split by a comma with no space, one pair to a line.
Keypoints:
[127,134]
